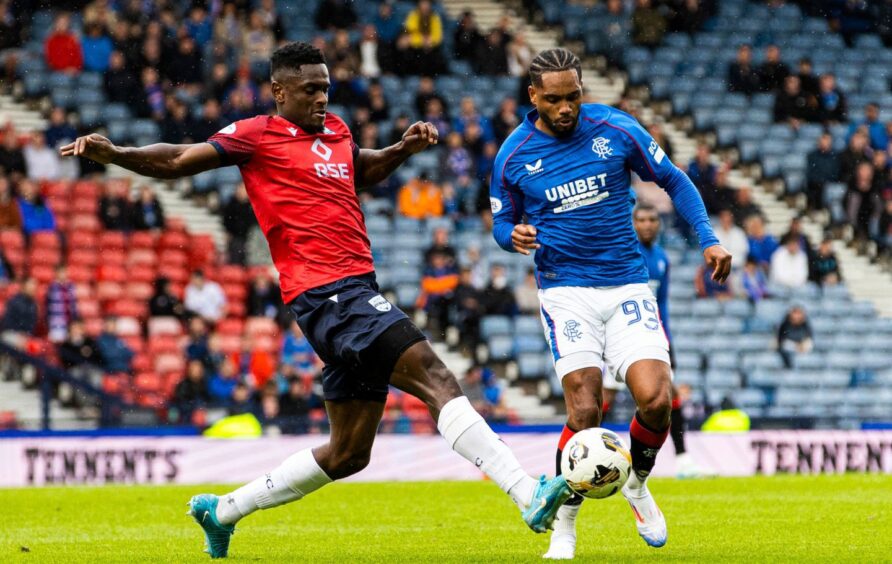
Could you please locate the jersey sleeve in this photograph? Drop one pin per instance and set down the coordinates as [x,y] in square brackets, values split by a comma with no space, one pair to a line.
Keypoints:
[505,199]
[650,162]
[237,141]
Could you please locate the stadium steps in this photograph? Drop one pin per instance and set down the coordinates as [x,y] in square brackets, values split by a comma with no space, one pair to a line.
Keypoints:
[26,405]
[20,116]
[604,89]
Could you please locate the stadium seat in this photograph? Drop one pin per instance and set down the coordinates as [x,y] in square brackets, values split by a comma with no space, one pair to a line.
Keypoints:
[495,325]
[501,348]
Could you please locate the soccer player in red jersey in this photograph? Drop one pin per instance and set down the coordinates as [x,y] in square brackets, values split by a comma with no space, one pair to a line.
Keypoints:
[302,170]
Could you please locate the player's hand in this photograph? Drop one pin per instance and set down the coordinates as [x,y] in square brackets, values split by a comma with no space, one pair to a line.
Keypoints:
[719,259]
[93,146]
[420,136]
[524,238]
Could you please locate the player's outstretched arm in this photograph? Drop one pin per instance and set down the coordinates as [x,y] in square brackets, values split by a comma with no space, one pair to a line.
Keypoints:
[160,160]
[374,166]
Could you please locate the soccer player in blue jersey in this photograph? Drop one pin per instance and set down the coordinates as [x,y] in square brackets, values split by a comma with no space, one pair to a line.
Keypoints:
[561,186]
[646,222]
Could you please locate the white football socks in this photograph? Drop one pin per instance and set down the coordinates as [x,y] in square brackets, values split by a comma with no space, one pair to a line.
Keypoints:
[635,484]
[565,522]
[297,476]
[469,435]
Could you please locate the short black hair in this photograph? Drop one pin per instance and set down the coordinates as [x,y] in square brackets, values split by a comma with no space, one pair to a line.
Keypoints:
[553,60]
[294,55]
[644,208]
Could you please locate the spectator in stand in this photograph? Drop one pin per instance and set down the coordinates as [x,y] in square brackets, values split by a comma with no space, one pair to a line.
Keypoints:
[492,55]
[467,39]
[789,264]
[197,347]
[861,199]
[199,26]
[822,167]
[295,406]
[825,266]
[177,126]
[744,206]
[114,208]
[97,48]
[147,211]
[440,244]
[436,114]
[706,287]
[241,400]
[426,92]
[732,237]
[753,280]
[43,162]
[61,305]
[121,83]
[7,272]
[204,298]
[115,354]
[12,160]
[832,107]
[703,174]
[420,198]
[773,71]
[468,116]
[265,298]
[482,389]
[379,108]
[59,132]
[369,66]
[20,317]
[222,384]
[884,232]
[79,348]
[794,336]
[648,24]
[797,232]
[498,297]
[62,48]
[742,76]
[10,215]
[762,245]
[807,79]
[527,293]
[10,27]
[258,41]
[211,121]
[388,27]
[425,31]
[298,354]
[617,30]
[36,215]
[335,14]
[438,283]
[456,160]
[192,391]
[238,218]
[467,309]
[164,302]
[255,362]
[792,105]
[520,55]
[505,120]
[181,69]
[152,105]
[266,404]
[689,16]
[855,153]
[875,129]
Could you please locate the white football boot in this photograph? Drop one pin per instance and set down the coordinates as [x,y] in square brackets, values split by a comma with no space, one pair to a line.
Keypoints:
[648,517]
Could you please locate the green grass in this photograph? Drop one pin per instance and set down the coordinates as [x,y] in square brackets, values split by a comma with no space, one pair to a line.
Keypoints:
[783,519]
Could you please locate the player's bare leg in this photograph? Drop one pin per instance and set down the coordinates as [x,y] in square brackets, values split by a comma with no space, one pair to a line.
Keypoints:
[649,382]
[353,427]
[421,373]
[582,396]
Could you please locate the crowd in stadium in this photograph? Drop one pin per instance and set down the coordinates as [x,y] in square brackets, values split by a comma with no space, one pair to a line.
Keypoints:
[193,68]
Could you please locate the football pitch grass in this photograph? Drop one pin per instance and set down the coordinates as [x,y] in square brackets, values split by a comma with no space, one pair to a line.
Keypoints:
[781,519]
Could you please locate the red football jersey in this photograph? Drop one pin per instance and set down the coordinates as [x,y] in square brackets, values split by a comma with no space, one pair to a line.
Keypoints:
[301,186]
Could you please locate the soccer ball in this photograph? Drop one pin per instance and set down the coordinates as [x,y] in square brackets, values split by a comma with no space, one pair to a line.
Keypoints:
[595,463]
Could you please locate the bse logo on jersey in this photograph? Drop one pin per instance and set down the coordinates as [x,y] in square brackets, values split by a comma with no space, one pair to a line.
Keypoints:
[380,303]
[600,148]
[326,169]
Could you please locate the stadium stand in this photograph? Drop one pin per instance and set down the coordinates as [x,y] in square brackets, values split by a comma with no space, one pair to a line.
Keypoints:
[725,349]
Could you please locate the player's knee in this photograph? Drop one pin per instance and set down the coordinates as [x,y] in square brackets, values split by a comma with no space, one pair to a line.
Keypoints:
[656,408]
[584,416]
[348,463]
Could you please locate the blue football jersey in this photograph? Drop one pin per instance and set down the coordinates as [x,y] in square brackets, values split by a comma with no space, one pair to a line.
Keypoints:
[577,193]
[658,279]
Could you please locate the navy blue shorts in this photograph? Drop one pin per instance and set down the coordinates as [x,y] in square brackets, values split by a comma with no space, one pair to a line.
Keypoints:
[357,333]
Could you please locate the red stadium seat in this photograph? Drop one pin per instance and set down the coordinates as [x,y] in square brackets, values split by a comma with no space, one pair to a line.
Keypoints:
[145,257]
[174,240]
[169,383]
[120,184]
[231,326]
[175,224]
[62,223]
[84,222]
[107,291]
[142,291]
[135,342]
[173,257]
[80,240]
[115,384]
[165,326]
[231,274]
[143,274]
[230,344]
[165,344]
[148,382]
[266,343]
[88,308]
[142,240]
[86,189]
[16,258]
[57,189]
[11,239]
[142,362]
[109,240]
[175,274]
[261,326]
[85,257]
[45,255]
[236,309]
[170,362]
[111,272]
[44,274]
[59,205]
[45,240]
[128,326]
[84,205]
[235,292]
[93,326]
[126,307]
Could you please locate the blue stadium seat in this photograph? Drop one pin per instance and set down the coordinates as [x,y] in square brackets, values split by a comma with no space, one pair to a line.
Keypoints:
[528,325]
[532,365]
[501,348]
[406,295]
[496,325]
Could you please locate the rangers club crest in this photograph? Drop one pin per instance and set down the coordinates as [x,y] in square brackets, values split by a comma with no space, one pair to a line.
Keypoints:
[600,148]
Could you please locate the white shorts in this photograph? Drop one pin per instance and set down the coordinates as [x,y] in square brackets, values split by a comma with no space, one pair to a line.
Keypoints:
[608,328]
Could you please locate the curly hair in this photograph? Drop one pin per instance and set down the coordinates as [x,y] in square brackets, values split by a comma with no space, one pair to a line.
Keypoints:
[553,60]
[293,55]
